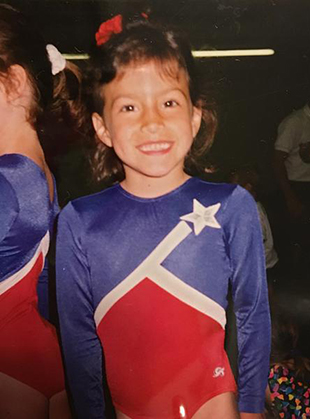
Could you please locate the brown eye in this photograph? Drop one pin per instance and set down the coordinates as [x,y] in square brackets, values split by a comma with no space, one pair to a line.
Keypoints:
[170,104]
[128,108]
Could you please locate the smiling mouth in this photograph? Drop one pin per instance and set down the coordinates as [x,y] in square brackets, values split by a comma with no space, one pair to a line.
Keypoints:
[155,147]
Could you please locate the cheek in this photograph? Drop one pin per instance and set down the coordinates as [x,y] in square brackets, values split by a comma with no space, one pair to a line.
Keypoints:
[121,140]
[189,129]
[121,128]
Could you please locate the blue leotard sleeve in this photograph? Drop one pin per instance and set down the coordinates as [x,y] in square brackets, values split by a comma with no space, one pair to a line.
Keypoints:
[8,207]
[75,304]
[245,245]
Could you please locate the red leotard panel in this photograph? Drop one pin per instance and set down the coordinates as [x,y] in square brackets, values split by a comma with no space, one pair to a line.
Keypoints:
[29,350]
[188,347]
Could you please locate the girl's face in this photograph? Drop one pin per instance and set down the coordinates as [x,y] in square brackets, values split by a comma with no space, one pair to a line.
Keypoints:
[149,120]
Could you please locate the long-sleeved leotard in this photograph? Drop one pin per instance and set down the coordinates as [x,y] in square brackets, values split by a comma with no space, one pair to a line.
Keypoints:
[146,280]
[29,350]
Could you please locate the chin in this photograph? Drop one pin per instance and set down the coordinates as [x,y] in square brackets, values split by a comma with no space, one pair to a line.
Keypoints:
[157,173]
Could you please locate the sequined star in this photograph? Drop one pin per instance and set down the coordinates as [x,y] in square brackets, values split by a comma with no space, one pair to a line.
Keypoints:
[202,216]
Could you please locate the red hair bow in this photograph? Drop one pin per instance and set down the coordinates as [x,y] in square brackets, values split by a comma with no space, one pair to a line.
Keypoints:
[108,28]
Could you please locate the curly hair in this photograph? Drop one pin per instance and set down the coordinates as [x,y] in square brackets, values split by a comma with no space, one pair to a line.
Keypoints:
[139,42]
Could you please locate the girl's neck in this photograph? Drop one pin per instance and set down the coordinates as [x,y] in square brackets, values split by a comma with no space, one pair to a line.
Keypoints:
[21,139]
[149,187]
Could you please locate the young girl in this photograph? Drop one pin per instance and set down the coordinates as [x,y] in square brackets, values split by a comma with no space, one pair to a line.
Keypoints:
[31,371]
[144,266]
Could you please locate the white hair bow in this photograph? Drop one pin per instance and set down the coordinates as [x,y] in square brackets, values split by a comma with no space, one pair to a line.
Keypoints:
[57,60]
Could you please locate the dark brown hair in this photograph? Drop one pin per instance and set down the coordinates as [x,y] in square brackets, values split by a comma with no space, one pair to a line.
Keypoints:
[22,44]
[139,42]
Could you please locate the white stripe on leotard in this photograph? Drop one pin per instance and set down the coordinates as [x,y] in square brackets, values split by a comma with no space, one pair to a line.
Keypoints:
[151,268]
[19,275]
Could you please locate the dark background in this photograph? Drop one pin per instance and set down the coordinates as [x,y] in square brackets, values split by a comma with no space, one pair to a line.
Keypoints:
[253,93]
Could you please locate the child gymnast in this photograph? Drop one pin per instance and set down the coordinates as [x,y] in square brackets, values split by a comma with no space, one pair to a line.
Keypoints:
[32,382]
[144,266]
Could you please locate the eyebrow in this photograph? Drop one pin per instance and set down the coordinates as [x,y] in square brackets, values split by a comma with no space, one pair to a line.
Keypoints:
[136,96]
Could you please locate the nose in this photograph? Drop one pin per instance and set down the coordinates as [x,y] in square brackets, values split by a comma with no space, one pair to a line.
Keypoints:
[152,120]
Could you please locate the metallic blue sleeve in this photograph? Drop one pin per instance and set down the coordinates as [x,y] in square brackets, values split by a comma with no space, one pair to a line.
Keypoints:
[250,296]
[81,346]
[8,207]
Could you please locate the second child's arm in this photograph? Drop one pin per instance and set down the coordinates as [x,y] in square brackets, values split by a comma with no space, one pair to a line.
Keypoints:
[81,346]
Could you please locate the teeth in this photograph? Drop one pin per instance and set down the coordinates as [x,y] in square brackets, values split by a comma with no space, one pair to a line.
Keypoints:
[155,147]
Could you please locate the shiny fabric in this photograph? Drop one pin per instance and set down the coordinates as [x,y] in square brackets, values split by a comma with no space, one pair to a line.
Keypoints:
[25,205]
[29,350]
[145,282]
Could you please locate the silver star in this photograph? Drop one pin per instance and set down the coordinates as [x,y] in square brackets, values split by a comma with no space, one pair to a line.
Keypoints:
[202,216]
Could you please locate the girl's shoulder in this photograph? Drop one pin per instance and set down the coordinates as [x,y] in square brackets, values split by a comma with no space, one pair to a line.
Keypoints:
[25,202]
[92,205]
[23,174]
[28,183]
[233,198]
[221,189]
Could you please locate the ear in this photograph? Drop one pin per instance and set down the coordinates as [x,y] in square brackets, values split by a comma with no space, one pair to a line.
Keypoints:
[18,84]
[196,120]
[101,129]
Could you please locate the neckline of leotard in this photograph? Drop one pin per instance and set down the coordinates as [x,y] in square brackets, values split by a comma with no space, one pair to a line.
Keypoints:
[157,198]
[40,170]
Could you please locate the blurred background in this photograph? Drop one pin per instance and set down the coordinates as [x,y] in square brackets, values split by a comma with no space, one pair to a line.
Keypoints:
[253,94]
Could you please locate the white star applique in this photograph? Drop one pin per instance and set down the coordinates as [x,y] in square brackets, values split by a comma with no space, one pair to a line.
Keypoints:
[202,216]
